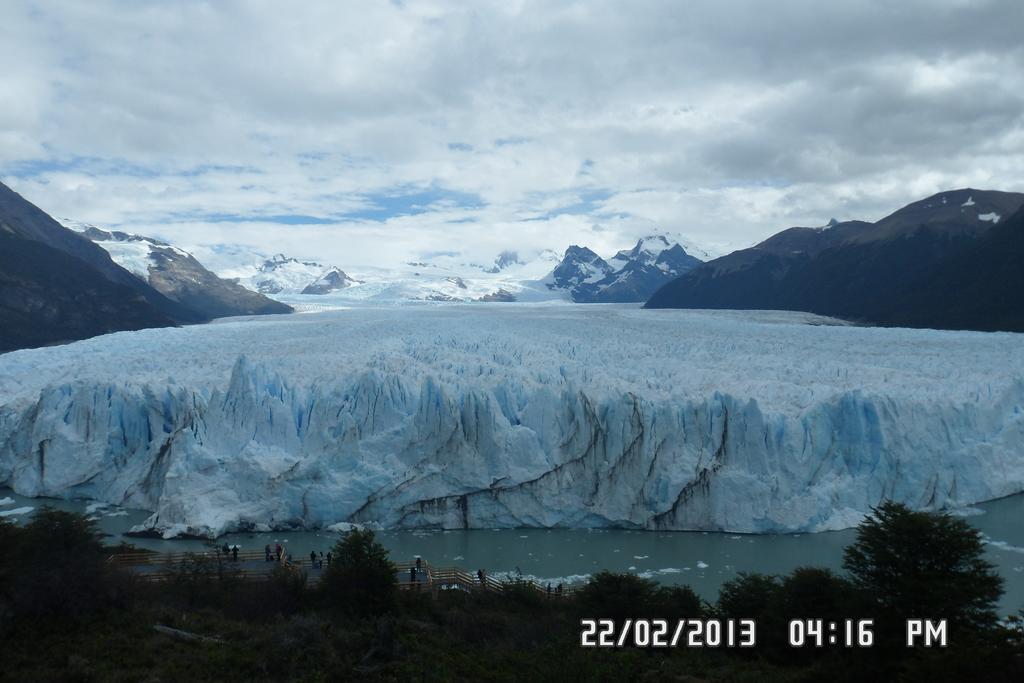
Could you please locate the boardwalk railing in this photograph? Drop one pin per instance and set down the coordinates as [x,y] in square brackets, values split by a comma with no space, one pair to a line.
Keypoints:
[165,566]
[456,578]
[252,565]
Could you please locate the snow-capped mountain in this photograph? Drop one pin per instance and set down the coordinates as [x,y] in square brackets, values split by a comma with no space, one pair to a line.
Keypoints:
[504,260]
[333,280]
[177,274]
[632,275]
[580,266]
[282,274]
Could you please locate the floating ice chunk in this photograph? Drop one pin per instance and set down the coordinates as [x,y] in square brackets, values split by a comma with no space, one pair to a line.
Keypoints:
[1002,545]
[702,565]
[16,511]
[968,511]
[6,501]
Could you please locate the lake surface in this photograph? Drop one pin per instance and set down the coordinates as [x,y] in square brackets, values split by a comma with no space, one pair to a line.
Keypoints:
[702,560]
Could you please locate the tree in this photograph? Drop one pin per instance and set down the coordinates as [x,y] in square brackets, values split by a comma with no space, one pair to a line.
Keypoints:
[924,565]
[617,596]
[678,602]
[748,596]
[59,566]
[813,592]
[361,579]
[805,593]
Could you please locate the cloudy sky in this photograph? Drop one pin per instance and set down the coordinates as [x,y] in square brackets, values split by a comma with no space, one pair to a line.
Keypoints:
[374,132]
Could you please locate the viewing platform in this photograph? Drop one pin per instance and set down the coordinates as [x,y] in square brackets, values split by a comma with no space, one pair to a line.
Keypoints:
[253,565]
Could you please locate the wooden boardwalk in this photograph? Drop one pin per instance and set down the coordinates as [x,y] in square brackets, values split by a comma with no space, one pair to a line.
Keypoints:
[253,565]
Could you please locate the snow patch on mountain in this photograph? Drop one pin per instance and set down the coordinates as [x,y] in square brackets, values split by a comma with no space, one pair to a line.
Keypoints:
[506,415]
[134,253]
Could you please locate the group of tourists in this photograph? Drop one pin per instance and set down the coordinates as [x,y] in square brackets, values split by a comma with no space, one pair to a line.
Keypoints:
[317,561]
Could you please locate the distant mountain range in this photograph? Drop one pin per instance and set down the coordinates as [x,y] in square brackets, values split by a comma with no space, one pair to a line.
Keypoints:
[580,275]
[953,260]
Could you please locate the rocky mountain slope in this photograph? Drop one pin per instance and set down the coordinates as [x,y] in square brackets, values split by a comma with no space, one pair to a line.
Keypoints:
[48,296]
[889,272]
[56,285]
[177,274]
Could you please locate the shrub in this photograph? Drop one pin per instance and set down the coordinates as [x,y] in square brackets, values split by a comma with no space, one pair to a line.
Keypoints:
[677,602]
[617,596]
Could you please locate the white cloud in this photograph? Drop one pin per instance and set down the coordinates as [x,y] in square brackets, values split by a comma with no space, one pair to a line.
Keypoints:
[588,122]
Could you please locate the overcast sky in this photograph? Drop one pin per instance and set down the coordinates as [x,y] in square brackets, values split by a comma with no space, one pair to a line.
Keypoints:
[373,132]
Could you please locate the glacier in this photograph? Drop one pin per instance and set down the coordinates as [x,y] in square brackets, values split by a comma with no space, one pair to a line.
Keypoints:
[515,415]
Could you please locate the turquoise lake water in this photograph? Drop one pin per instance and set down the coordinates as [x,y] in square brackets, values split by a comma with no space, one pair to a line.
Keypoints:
[702,560]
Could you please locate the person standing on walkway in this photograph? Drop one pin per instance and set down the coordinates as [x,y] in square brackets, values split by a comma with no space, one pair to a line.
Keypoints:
[234,553]
[267,553]
[328,558]
[277,551]
[312,559]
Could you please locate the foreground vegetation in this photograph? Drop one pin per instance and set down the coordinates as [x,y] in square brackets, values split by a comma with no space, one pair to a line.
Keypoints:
[67,615]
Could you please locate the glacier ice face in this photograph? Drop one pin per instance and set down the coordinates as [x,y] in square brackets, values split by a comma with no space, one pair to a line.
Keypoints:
[507,415]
